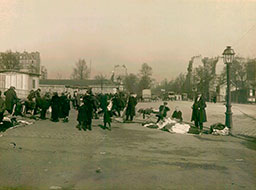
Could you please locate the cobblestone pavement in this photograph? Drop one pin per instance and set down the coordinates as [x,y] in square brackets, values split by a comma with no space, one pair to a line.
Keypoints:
[49,155]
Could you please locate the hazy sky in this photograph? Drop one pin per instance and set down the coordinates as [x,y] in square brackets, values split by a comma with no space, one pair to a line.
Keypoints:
[163,33]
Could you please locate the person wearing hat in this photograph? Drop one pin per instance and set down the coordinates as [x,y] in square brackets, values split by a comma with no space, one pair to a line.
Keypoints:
[198,112]
[130,110]
[85,113]
[55,105]
[163,109]
[10,99]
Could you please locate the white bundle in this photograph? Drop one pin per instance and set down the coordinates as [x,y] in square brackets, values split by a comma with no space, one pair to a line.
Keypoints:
[165,122]
[224,131]
[180,128]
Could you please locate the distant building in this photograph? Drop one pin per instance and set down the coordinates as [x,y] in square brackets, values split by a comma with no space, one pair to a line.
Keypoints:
[29,62]
[56,85]
[251,70]
[251,77]
[22,81]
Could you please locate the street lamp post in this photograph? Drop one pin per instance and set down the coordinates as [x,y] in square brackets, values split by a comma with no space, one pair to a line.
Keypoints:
[228,56]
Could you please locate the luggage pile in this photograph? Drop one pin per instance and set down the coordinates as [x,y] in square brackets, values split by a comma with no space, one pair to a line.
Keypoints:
[172,126]
[219,129]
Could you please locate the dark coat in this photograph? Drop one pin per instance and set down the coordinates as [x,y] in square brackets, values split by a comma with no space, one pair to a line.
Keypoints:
[10,99]
[132,102]
[163,110]
[177,115]
[45,103]
[64,106]
[107,113]
[85,111]
[199,113]
[202,112]
[55,104]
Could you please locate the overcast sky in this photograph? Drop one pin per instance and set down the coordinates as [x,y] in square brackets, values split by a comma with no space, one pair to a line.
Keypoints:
[163,33]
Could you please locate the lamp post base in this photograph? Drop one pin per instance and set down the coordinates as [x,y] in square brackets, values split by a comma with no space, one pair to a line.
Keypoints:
[228,121]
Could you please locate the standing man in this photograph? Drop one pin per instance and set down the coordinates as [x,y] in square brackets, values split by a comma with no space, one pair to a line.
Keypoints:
[199,113]
[89,107]
[55,104]
[10,99]
[130,110]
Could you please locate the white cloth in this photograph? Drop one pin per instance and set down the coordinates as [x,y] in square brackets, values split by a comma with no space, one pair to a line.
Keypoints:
[224,131]
[180,128]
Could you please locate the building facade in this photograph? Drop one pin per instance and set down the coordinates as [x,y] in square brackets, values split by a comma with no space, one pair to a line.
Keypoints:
[22,81]
[29,62]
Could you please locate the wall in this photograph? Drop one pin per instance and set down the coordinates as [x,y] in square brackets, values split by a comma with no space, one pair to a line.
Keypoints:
[61,88]
[23,83]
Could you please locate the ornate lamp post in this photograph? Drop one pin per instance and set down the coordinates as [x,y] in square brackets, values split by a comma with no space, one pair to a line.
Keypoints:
[228,56]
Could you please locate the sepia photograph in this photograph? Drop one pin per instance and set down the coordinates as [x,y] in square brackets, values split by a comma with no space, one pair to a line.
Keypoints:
[127,94]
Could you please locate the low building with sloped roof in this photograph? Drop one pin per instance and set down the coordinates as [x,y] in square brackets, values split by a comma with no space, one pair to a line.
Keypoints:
[23,82]
[62,85]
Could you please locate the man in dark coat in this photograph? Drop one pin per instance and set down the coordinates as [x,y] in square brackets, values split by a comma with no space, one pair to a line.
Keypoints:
[199,113]
[106,108]
[89,108]
[130,110]
[85,113]
[81,117]
[55,104]
[163,109]
[64,107]
[117,105]
[30,103]
[10,99]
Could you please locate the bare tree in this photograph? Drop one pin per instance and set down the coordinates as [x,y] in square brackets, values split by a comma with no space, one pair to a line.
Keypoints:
[81,70]
[100,78]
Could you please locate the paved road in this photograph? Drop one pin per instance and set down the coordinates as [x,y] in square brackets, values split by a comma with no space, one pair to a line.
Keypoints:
[56,155]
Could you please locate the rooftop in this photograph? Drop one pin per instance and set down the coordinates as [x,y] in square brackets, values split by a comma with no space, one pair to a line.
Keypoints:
[78,83]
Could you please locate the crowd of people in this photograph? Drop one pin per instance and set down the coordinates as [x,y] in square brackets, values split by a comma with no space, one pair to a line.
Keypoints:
[89,106]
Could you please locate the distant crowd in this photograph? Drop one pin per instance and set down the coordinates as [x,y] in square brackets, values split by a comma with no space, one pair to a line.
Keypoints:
[89,106]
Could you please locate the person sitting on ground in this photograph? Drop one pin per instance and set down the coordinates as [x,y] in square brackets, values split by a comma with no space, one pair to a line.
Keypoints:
[177,114]
[163,109]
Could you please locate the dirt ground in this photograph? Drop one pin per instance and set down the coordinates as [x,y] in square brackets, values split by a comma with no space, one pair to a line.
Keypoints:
[51,155]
